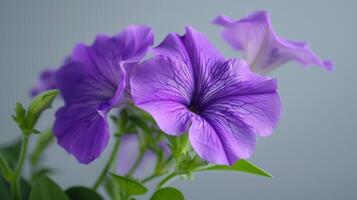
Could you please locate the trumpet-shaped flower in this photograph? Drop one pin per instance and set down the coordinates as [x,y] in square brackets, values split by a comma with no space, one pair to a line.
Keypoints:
[189,86]
[91,82]
[263,49]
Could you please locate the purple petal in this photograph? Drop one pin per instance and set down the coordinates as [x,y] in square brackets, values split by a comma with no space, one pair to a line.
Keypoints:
[250,98]
[241,105]
[92,82]
[221,141]
[45,82]
[264,50]
[81,131]
[163,88]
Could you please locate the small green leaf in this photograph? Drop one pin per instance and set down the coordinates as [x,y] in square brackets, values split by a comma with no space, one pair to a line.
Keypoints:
[141,124]
[168,193]
[82,193]
[20,116]
[11,153]
[129,186]
[43,142]
[38,105]
[241,165]
[44,188]
[5,169]
[43,171]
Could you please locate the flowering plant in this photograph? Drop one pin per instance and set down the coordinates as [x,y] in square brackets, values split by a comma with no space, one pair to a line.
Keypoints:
[181,103]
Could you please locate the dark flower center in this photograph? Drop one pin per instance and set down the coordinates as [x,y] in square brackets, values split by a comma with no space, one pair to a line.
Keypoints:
[193,108]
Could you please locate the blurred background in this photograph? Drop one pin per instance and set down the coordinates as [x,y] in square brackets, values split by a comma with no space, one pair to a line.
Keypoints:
[312,154]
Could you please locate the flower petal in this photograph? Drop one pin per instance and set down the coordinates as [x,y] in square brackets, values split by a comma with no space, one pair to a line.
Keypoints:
[264,50]
[82,131]
[221,141]
[163,87]
[240,106]
[249,98]
[45,82]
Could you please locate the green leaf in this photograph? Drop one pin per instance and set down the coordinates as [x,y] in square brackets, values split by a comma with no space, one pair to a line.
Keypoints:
[20,116]
[38,105]
[82,193]
[43,142]
[129,186]
[11,152]
[43,171]
[44,188]
[4,189]
[5,169]
[241,165]
[141,123]
[168,193]
[25,189]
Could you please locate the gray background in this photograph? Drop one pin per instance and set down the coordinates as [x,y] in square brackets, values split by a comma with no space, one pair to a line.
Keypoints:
[312,152]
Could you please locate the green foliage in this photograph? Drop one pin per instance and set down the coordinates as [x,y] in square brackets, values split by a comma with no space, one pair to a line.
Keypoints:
[129,186]
[43,188]
[112,188]
[5,170]
[20,116]
[26,120]
[168,193]
[179,145]
[5,189]
[11,152]
[82,193]
[38,105]
[240,166]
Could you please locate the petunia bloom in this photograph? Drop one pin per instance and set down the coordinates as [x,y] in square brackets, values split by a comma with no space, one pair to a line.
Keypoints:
[91,83]
[189,86]
[263,49]
[45,82]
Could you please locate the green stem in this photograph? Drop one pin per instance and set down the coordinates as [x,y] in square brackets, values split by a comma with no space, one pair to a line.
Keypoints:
[20,163]
[160,173]
[15,190]
[149,178]
[167,179]
[137,163]
[112,158]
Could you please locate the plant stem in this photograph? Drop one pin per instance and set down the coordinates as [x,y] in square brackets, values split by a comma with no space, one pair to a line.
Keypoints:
[112,157]
[166,179]
[15,190]
[149,178]
[137,163]
[20,163]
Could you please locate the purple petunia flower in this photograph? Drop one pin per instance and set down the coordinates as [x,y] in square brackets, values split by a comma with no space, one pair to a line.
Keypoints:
[91,83]
[190,86]
[264,50]
[45,82]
